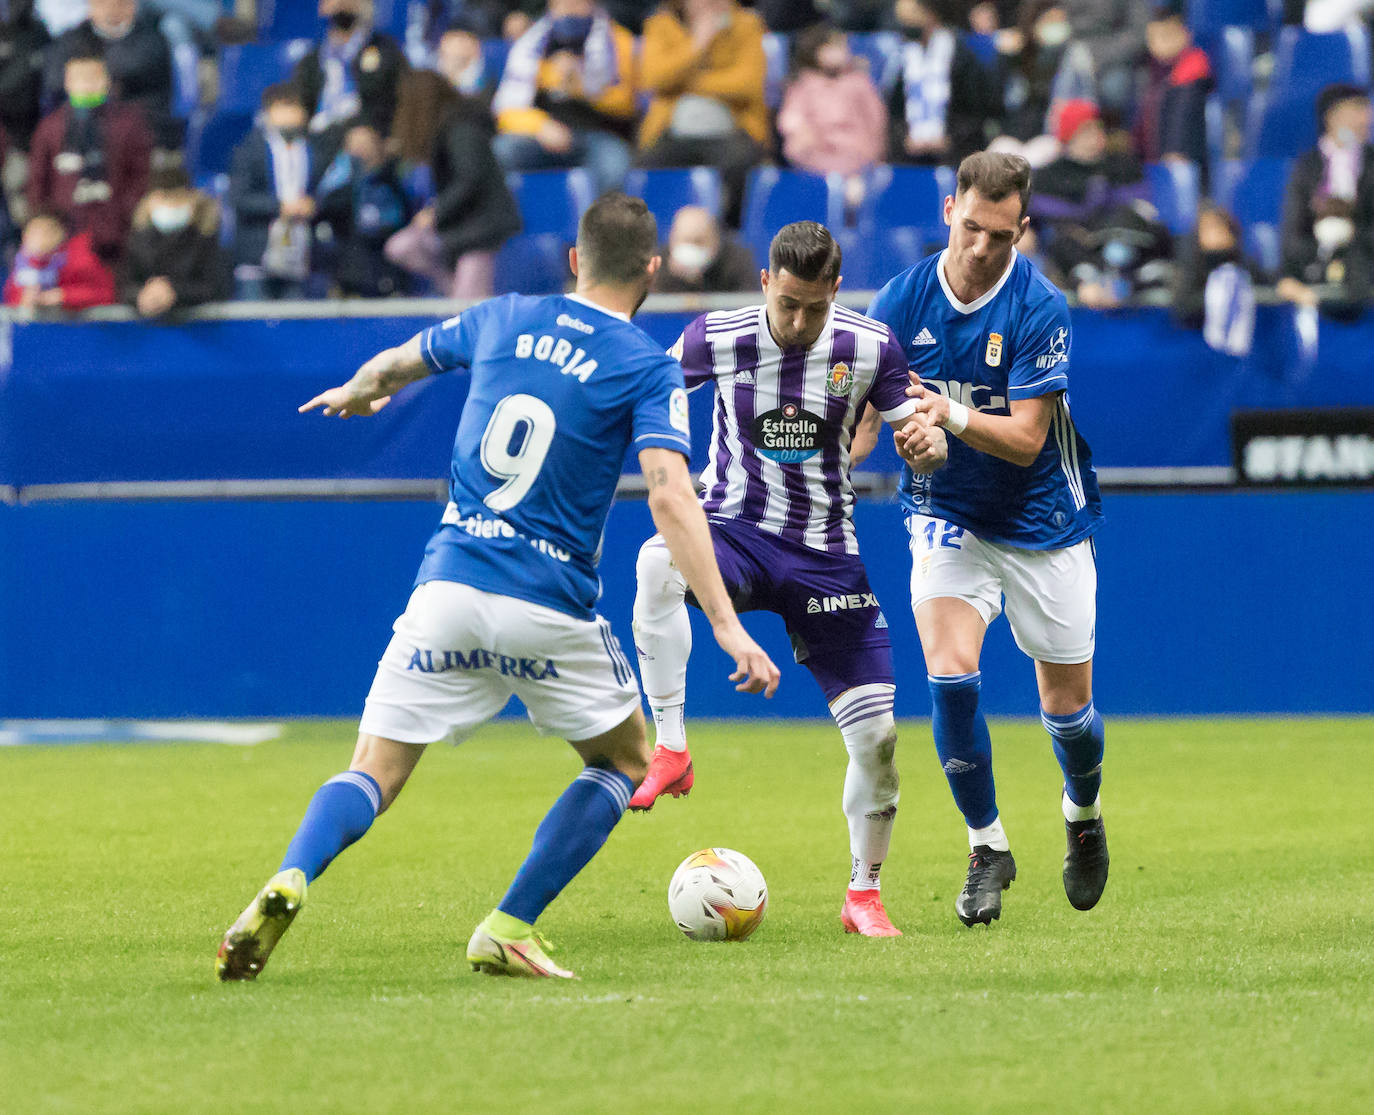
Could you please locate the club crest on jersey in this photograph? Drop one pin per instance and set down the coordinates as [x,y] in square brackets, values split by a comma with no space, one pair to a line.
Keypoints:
[840,379]
[788,434]
[994,353]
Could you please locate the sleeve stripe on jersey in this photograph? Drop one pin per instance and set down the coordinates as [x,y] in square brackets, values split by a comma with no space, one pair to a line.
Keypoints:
[897,413]
[427,350]
[664,437]
[1048,379]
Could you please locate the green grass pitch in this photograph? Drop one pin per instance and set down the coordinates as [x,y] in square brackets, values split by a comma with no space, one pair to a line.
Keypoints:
[1228,968]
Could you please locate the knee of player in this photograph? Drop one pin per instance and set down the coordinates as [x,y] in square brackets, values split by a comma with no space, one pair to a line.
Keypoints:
[659,578]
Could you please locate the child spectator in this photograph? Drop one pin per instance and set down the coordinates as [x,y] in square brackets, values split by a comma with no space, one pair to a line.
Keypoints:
[453,240]
[832,119]
[273,173]
[174,260]
[362,199]
[89,159]
[1214,284]
[55,271]
[568,95]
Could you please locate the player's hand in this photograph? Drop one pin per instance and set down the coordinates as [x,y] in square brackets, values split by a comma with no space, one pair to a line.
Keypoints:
[754,670]
[341,401]
[931,405]
[922,445]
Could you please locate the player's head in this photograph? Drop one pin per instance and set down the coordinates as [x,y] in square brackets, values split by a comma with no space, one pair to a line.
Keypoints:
[617,246]
[800,282]
[986,216]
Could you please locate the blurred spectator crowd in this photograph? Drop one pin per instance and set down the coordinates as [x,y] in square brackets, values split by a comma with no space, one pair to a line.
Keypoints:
[167,153]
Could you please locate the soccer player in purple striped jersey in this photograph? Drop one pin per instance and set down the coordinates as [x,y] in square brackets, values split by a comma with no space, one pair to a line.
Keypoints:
[1010,516]
[792,377]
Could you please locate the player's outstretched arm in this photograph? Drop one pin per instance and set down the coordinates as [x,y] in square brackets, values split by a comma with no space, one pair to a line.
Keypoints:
[1017,437]
[679,519]
[374,383]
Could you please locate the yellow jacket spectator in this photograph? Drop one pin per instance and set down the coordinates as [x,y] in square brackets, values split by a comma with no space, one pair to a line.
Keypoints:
[569,95]
[703,62]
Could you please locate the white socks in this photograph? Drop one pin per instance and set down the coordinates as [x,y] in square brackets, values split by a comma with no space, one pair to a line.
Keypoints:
[992,836]
[864,717]
[1074,812]
[663,640]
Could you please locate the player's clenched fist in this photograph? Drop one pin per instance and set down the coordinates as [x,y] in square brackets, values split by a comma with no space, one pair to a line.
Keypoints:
[921,444]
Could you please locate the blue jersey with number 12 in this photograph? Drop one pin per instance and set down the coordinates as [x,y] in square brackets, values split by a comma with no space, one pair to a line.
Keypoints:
[561,390]
[1011,343]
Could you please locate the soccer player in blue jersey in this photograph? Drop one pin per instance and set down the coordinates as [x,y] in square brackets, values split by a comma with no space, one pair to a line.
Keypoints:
[505,600]
[1011,515]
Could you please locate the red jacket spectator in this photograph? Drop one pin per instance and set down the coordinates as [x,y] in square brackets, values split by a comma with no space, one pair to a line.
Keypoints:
[92,168]
[69,276]
[1170,122]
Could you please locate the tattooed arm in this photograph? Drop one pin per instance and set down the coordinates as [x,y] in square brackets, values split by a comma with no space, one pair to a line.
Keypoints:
[679,519]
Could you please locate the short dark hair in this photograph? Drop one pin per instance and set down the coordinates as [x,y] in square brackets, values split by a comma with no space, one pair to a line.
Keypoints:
[87,52]
[996,176]
[169,178]
[806,249]
[616,238]
[283,92]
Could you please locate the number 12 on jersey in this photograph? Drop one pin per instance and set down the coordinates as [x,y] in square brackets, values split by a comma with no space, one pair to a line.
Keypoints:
[526,423]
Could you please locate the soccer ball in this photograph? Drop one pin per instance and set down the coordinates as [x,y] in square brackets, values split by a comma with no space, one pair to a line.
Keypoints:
[717,895]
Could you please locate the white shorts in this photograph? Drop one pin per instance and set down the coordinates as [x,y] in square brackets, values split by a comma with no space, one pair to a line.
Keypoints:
[458,654]
[1051,595]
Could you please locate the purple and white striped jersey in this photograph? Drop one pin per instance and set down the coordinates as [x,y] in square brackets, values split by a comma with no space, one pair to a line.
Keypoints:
[784,418]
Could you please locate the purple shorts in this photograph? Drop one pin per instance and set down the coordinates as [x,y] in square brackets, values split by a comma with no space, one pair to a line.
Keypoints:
[837,628]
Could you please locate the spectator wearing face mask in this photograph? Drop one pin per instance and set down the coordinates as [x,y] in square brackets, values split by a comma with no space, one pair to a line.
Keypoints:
[1328,213]
[90,158]
[700,258]
[1044,67]
[1214,284]
[568,95]
[458,57]
[55,271]
[364,203]
[354,73]
[174,260]
[832,118]
[137,57]
[271,180]
[943,101]
[1114,33]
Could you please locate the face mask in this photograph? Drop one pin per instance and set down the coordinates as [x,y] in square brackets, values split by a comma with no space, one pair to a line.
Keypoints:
[1216,257]
[169,219]
[290,135]
[1117,253]
[344,21]
[1333,233]
[87,100]
[915,34]
[690,257]
[1053,34]
[1346,137]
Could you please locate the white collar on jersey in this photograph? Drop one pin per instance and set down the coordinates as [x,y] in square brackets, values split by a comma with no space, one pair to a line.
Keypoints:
[984,298]
[597,306]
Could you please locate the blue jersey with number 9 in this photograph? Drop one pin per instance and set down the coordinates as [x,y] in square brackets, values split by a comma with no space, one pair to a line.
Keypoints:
[561,390]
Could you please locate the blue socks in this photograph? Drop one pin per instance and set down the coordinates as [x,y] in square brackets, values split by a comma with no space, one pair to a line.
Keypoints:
[339,813]
[570,834]
[1079,740]
[963,744]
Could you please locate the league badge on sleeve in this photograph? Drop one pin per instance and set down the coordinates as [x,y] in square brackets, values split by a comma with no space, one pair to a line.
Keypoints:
[994,353]
[840,379]
[678,413]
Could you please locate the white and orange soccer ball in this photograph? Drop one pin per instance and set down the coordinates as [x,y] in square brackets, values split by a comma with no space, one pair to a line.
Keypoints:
[717,895]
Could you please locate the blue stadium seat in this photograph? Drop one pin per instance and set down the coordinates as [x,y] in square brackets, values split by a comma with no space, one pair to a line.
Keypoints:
[880,50]
[551,201]
[279,20]
[1208,16]
[1252,190]
[532,265]
[773,198]
[245,71]
[777,50]
[984,48]
[494,55]
[210,143]
[1174,192]
[666,191]
[1231,51]
[906,197]
[1282,121]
